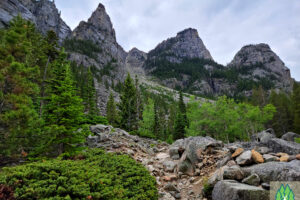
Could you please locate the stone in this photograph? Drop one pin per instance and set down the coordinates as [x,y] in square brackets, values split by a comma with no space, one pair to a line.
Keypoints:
[192,145]
[170,187]
[233,172]
[275,171]
[257,157]
[186,167]
[169,166]
[224,161]
[263,136]
[284,158]
[298,157]
[92,141]
[237,152]
[245,158]
[231,163]
[130,152]
[174,153]
[233,147]
[99,129]
[216,176]
[233,190]
[162,156]
[279,145]
[290,136]
[262,150]
[168,196]
[252,180]
[269,158]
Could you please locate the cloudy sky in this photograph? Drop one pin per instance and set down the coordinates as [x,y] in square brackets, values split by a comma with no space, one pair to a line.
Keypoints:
[224,25]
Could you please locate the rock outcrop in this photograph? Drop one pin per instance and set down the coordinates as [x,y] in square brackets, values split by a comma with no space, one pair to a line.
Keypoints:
[43,13]
[187,44]
[261,62]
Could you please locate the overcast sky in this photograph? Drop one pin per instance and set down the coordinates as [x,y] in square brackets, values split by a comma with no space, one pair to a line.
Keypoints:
[223,25]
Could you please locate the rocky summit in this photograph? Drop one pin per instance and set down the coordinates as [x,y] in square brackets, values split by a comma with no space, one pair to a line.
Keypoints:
[43,13]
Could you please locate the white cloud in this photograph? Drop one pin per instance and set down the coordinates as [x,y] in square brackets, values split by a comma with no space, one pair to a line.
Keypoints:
[224,25]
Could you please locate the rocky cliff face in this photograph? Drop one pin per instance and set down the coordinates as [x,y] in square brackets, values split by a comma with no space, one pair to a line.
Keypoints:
[43,13]
[111,57]
[187,44]
[135,61]
[264,63]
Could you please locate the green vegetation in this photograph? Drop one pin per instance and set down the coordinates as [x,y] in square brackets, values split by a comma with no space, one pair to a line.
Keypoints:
[227,120]
[89,175]
[296,107]
[85,47]
[40,107]
[111,111]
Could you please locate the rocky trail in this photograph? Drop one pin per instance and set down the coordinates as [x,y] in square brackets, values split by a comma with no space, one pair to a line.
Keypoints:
[203,168]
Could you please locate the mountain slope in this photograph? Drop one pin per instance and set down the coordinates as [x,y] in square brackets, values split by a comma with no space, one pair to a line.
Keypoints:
[43,13]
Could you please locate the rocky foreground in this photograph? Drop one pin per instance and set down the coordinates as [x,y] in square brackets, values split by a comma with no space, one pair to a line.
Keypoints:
[203,168]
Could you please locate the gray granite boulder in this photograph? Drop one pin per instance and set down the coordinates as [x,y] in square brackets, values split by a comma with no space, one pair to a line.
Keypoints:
[290,136]
[275,171]
[252,180]
[279,145]
[245,158]
[233,190]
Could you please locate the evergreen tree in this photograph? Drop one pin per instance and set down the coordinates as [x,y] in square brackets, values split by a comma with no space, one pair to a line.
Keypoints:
[147,124]
[296,106]
[259,97]
[64,110]
[283,118]
[139,101]
[91,101]
[181,119]
[20,49]
[182,108]
[111,111]
[128,106]
[179,130]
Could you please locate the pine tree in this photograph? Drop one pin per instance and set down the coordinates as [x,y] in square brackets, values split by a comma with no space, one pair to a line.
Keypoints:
[296,106]
[91,104]
[181,119]
[64,111]
[111,111]
[20,50]
[128,106]
[139,101]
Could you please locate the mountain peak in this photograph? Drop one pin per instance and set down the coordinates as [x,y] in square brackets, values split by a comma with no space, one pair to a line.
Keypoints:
[101,20]
[186,45]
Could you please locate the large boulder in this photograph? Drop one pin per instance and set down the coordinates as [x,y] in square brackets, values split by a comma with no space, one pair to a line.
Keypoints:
[234,173]
[290,136]
[190,150]
[263,136]
[279,145]
[99,129]
[233,190]
[275,171]
[192,146]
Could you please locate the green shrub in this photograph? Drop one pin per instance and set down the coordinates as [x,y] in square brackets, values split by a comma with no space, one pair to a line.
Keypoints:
[297,140]
[90,175]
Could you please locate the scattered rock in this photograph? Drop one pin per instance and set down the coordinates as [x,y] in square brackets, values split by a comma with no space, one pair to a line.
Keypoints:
[237,152]
[169,166]
[284,158]
[263,136]
[224,161]
[170,187]
[174,153]
[252,180]
[257,157]
[298,157]
[262,150]
[233,190]
[245,158]
[233,172]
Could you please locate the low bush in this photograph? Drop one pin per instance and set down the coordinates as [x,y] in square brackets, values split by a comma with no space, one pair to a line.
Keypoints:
[91,175]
